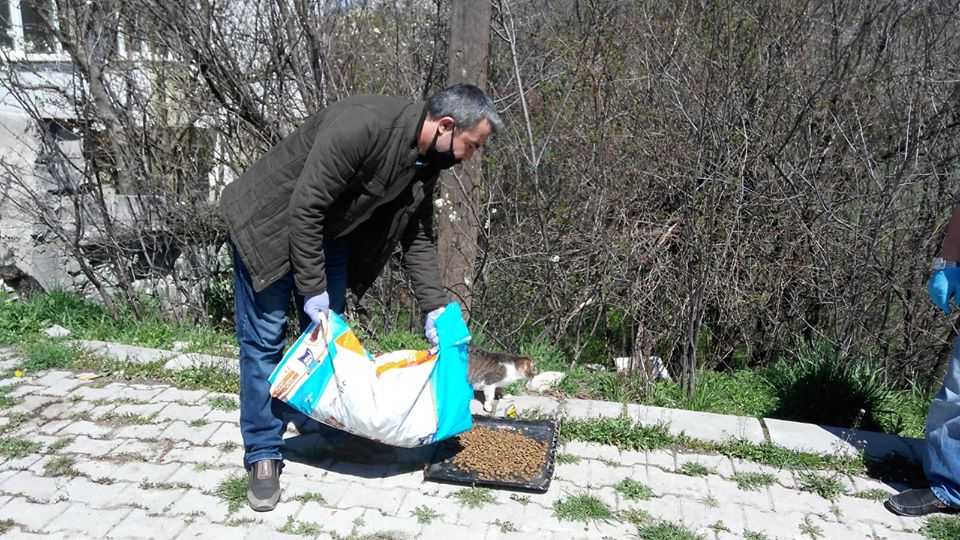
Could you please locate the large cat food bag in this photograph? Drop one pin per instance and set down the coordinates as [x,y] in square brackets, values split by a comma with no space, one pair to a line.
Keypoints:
[404,398]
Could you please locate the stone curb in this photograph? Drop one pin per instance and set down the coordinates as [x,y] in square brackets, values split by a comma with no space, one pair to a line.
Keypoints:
[704,426]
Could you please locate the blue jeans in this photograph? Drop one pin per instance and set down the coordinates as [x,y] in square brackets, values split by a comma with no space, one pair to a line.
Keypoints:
[261,334]
[941,460]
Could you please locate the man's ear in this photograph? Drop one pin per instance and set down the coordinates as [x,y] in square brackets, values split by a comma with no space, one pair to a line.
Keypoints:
[446,123]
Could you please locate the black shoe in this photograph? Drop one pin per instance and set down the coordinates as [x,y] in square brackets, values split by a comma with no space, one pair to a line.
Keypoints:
[263,485]
[917,502]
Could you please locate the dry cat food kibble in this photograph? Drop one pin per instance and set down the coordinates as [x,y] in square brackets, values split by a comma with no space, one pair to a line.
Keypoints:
[500,454]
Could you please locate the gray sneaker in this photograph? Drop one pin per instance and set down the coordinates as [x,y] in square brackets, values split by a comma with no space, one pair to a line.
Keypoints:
[263,485]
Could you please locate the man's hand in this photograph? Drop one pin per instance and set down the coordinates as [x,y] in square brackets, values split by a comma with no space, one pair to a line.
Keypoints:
[430,328]
[943,287]
[317,306]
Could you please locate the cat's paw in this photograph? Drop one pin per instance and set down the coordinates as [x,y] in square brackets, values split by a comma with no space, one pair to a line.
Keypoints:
[487,407]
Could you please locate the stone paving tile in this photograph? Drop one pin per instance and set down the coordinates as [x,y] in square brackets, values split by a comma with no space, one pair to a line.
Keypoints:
[59,383]
[32,515]
[181,431]
[32,403]
[210,507]
[87,522]
[140,524]
[190,397]
[128,472]
[65,409]
[185,413]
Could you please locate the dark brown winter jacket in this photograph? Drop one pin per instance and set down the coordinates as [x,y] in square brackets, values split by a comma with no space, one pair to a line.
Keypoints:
[317,183]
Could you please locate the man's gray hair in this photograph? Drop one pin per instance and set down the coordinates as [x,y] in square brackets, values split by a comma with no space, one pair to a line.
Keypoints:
[467,104]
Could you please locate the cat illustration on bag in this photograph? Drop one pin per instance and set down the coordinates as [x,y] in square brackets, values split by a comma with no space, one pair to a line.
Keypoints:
[487,371]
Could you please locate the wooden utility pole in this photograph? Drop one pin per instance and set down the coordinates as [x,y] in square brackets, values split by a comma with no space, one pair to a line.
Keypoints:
[460,189]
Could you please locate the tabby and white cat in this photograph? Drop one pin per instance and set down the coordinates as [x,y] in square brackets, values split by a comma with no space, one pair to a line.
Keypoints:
[487,371]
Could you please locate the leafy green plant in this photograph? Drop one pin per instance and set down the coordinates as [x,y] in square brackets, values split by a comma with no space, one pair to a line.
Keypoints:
[827,487]
[303,528]
[47,354]
[819,387]
[665,530]
[59,444]
[6,400]
[474,497]
[753,535]
[233,491]
[635,516]
[942,528]
[224,403]
[875,494]
[60,466]
[312,497]
[633,490]
[16,447]
[424,514]
[753,480]
[582,507]
[693,468]
[568,459]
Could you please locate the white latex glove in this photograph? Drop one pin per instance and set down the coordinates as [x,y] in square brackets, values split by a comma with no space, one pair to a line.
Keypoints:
[317,306]
[430,328]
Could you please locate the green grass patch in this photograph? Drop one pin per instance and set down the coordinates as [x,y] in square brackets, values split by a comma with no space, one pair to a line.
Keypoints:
[582,507]
[754,535]
[633,490]
[16,447]
[474,497]
[628,435]
[666,530]
[233,491]
[224,403]
[828,487]
[568,459]
[875,494]
[742,393]
[693,468]
[809,529]
[395,341]
[203,378]
[59,445]
[424,514]
[942,528]
[753,480]
[635,516]
[6,400]
[47,354]
[621,432]
[60,466]
[24,320]
[302,528]
[312,497]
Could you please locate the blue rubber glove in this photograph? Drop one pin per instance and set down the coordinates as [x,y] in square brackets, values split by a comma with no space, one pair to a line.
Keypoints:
[430,328]
[316,306]
[943,287]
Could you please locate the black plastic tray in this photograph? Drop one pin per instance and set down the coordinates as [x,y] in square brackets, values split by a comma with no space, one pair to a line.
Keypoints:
[442,469]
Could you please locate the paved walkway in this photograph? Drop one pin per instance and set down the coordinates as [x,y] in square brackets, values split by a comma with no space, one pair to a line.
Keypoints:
[108,459]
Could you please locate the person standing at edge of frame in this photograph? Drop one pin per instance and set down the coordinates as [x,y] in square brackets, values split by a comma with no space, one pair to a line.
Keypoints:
[323,210]
[941,458]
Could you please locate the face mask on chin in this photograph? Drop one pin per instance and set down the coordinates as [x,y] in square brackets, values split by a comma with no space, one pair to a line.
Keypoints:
[444,159]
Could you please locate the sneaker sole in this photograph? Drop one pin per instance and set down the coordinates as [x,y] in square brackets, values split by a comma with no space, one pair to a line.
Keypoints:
[262,505]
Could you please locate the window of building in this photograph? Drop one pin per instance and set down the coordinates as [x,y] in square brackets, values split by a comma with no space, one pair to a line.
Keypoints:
[22,27]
